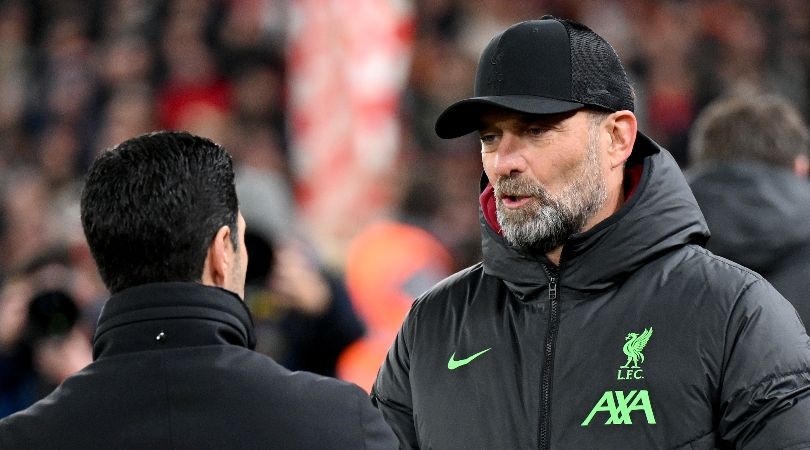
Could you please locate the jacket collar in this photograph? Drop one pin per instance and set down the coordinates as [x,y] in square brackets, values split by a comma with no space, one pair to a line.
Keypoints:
[755,208]
[188,314]
[661,215]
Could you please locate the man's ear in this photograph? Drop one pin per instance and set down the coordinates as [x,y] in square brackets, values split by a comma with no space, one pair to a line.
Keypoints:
[622,127]
[219,259]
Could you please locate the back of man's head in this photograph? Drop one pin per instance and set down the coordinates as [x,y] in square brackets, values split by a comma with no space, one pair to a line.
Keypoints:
[763,128]
[151,206]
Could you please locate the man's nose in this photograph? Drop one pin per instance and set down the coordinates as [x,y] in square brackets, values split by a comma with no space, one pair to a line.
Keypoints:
[509,157]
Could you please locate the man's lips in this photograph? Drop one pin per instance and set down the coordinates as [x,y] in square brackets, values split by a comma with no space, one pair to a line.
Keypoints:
[514,201]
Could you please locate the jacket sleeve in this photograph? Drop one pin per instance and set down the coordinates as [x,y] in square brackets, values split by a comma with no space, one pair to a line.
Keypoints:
[377,434]
[765,391]
[391,392]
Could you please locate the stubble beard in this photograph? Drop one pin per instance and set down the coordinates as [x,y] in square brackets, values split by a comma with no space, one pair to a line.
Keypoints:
[546,222]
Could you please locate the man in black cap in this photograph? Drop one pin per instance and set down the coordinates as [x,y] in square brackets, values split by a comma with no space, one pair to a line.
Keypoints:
[174,365]
[596,319]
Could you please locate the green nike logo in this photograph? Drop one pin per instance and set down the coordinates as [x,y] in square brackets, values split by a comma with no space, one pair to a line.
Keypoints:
[452,364]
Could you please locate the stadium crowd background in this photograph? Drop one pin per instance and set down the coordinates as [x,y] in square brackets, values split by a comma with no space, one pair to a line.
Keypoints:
[77,76]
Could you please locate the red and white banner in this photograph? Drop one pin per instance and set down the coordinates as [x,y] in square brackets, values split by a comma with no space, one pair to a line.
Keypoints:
[348,63]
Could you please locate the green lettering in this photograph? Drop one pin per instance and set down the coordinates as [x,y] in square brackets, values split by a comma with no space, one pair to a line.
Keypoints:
[606,404]
[642,402]
[623,415]
[620,406]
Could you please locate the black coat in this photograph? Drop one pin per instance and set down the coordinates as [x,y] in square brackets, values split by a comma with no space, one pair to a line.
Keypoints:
[759,216]
[173,369]
[640,339]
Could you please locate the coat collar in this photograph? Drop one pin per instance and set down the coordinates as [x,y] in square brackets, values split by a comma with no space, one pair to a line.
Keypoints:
[187,314]
[755,208]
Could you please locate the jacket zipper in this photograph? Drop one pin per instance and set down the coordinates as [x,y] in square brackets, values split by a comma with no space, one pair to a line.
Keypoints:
[551,339]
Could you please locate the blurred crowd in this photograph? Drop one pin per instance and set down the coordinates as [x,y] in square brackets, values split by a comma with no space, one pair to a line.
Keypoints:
[77,77]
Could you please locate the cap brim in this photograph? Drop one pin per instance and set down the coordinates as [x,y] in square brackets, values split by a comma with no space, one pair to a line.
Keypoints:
[464,116]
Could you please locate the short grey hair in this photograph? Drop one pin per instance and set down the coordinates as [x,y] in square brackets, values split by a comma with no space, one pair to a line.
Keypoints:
[765,128]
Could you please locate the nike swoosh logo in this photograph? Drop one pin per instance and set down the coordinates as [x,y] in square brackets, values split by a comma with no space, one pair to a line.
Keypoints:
[453,364]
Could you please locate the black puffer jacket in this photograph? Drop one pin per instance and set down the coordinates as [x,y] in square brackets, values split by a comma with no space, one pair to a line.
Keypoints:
[759,216]
[174,369]
[641,339]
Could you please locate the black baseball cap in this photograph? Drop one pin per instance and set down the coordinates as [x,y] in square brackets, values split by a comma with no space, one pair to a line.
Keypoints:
[544,66]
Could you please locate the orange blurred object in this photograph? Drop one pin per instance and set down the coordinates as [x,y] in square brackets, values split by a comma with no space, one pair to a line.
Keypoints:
[388,265]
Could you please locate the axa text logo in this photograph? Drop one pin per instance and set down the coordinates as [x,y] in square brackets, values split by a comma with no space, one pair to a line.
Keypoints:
[620,407]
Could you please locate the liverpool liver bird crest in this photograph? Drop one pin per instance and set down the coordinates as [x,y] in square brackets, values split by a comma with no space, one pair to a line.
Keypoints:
[633,347]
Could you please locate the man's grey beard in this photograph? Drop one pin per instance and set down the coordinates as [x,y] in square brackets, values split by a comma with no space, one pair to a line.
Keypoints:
[546,223]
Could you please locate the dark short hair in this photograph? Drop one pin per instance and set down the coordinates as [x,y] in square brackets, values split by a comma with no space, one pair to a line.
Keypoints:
[152,204]
[766,128]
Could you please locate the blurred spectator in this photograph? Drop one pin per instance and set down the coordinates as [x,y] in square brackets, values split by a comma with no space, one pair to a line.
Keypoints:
[265,196]
[18,384]
[67,83]
[43,342]
[24,202]
[194,88]
[258,108]
[125,59]
[128,111]
[751,182]
[432,85]
[669,80]
[302,313]
[251,28]
[68,269]
[36,354]
[59,346]
[58,154]
[16,60]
